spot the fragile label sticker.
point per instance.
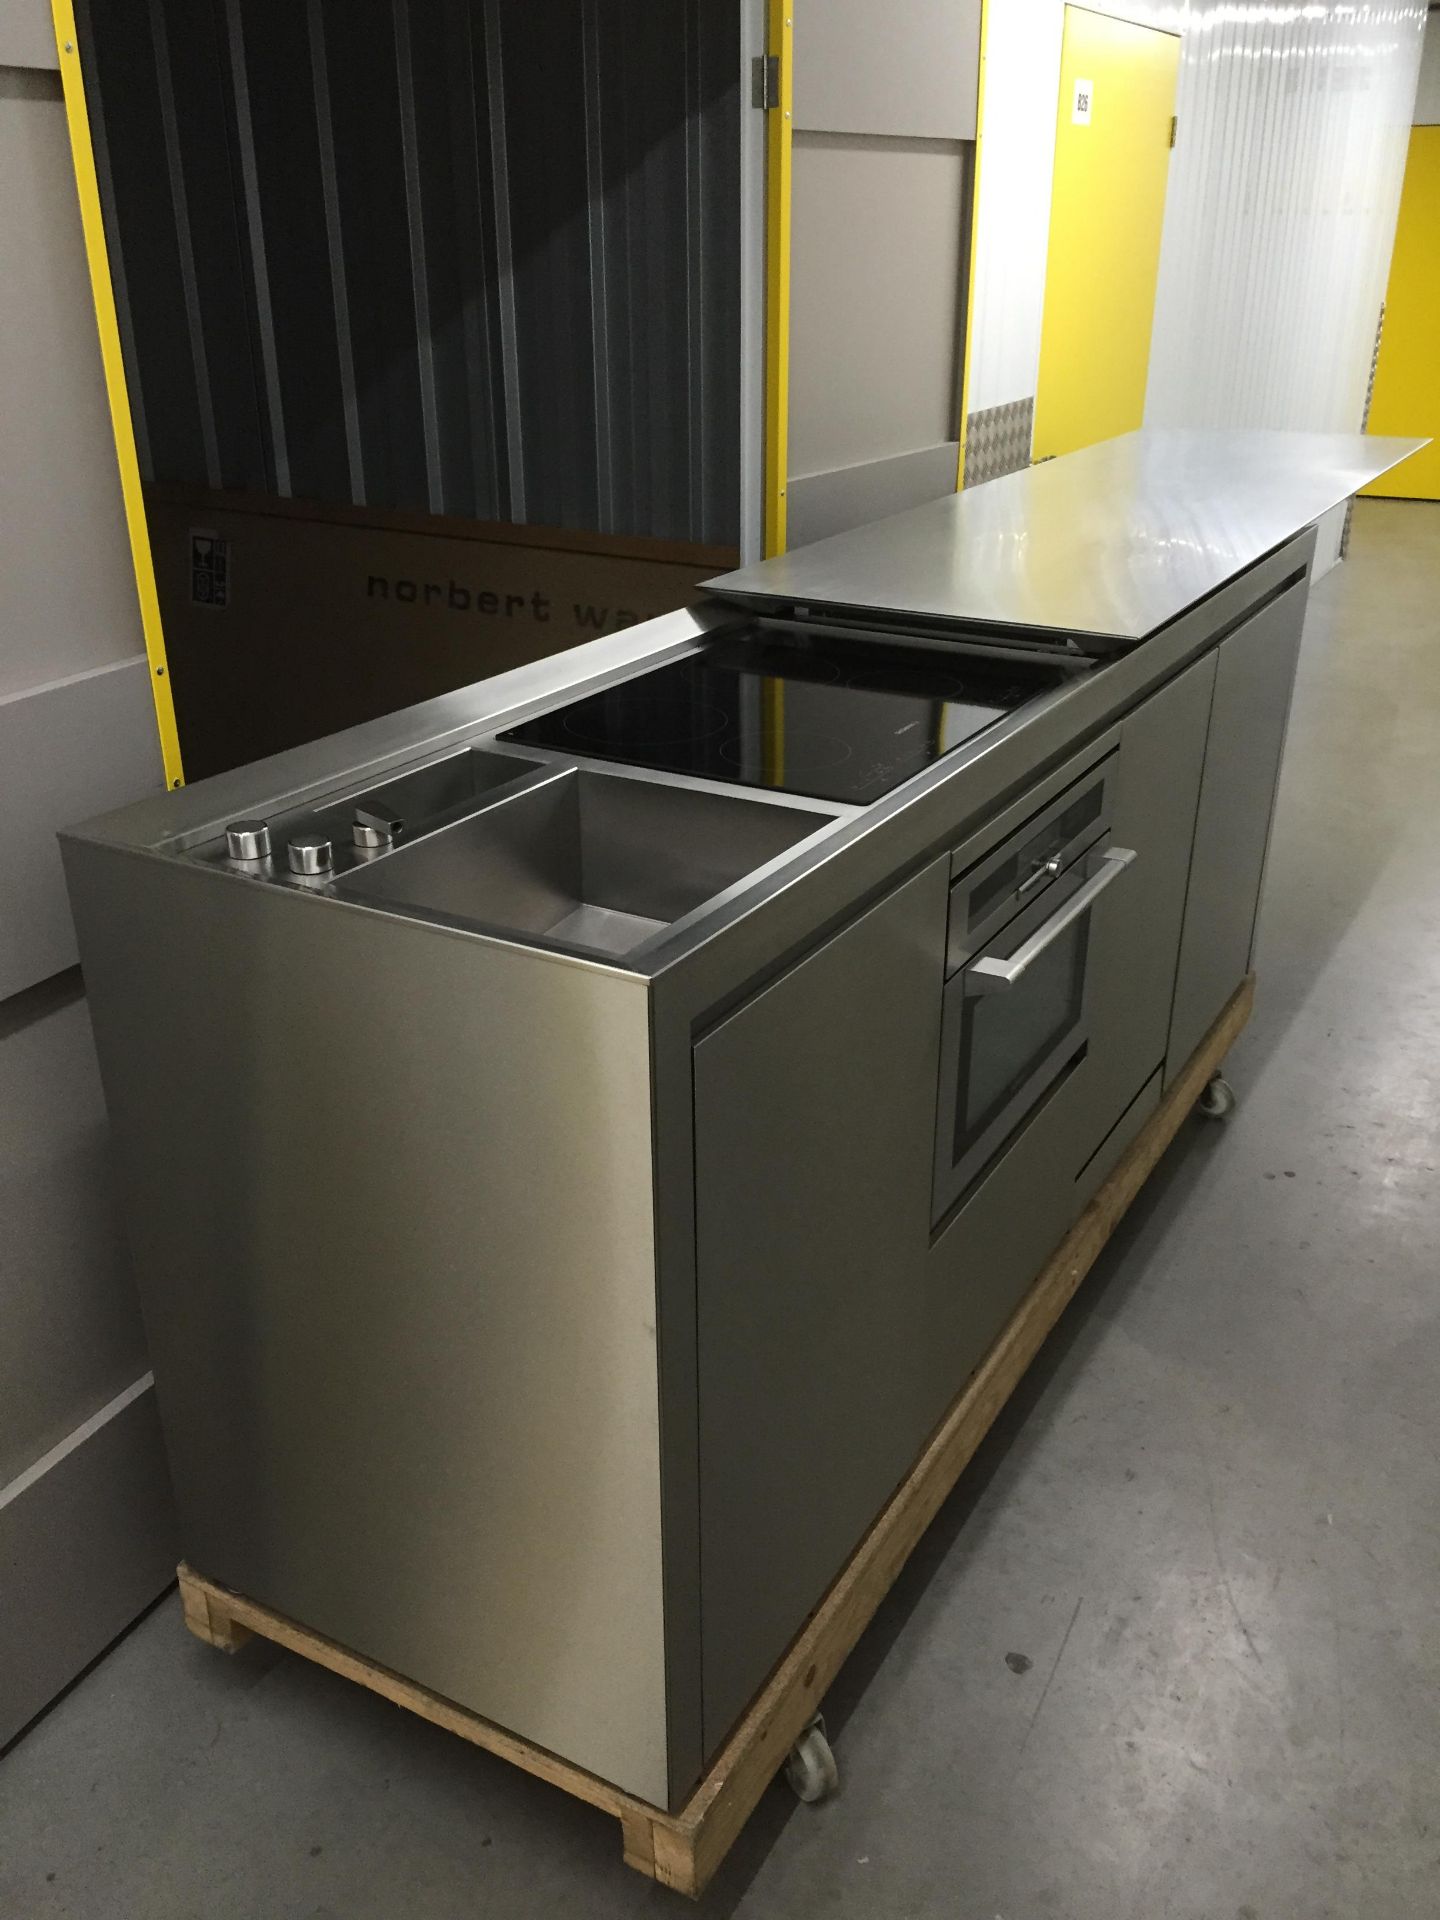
(209, 568)
(1084, 100)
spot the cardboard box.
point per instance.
(286, 620)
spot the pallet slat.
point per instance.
(683, 1850)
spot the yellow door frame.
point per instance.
(780, 47)
(107, 323)
(1406, 394)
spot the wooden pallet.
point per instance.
(684, 1849)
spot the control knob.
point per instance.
(248, 839)
(310, 853)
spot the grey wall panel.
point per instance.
(877, 298)
(67, 595)
(83, 1549)
(820, 504)
(85, 1536)
(66, 752)
(27, 35)
(70, 1334)
(908, 67)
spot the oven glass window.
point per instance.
(1009, 1036)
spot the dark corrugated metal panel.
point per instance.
(299, 357)
(374, 222)
(665, 241)
(139, 182)
(457, 198)
(543, 77)
(478, 257)
(715, 251)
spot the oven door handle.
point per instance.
(998, 976)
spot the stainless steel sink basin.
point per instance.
(596, 861)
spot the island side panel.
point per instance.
(391, 1203)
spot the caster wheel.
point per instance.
(811, 1768)
(1217, 1102)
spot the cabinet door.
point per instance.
(1136, 944)
(1253, 683)
(814, 1124)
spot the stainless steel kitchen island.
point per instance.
(565, 1212)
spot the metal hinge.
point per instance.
(1174, 123)
(765, 81)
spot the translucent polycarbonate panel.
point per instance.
(1284, 184)
(1293, 124)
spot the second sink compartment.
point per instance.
(597, 861)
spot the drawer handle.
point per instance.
(998, 976)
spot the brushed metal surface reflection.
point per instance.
(391, 1199)
(1109, 543)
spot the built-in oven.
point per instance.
(1018, 982)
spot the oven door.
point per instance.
(1015, 1020)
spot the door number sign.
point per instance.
(1084, 101)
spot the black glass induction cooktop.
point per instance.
(832, 719)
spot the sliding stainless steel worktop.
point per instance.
(550, 1115)
(1110, 543)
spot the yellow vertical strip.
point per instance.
(780, 46)
(967, 345)
(1407, 374)
(88, 190)
(772, 718)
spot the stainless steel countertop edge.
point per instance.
(934, 806)
(1111, 543)
(377, 748)
(936, 803)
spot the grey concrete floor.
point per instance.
(1209, 1521)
